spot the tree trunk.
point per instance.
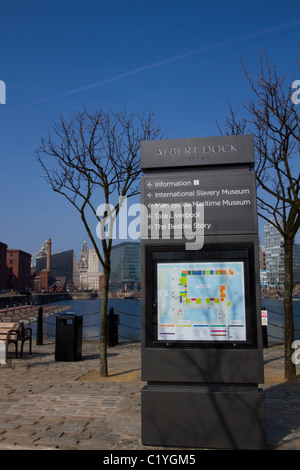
(103, 324)
(290, 367)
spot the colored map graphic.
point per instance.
(201, 301)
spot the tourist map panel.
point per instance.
(201, 301)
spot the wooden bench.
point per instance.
(12, 332)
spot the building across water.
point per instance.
(88, 267)
(57, 271)
(15, 271)
(125, 267)
(274, 258)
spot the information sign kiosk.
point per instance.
(201, 323)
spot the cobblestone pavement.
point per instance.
(48, 404)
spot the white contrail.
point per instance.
(184, 55)
(197, 51)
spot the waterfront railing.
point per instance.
(127, 330)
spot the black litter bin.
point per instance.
(68, 345)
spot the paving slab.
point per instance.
(56, 405)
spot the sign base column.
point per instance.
(204, 416)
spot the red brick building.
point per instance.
(3, 249)
(18, 270)
(44, 280)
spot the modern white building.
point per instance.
(274, 258)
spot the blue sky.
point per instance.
(179, 58)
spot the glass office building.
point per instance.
(296, 263)
(125, 267)
(274, 256)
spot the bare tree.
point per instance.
(274, 120)
(92, 159)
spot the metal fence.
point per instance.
(128, 326)
(276, 330)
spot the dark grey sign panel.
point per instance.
(228, 199)
(200, 326)
(192, 417)
(200, 151)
